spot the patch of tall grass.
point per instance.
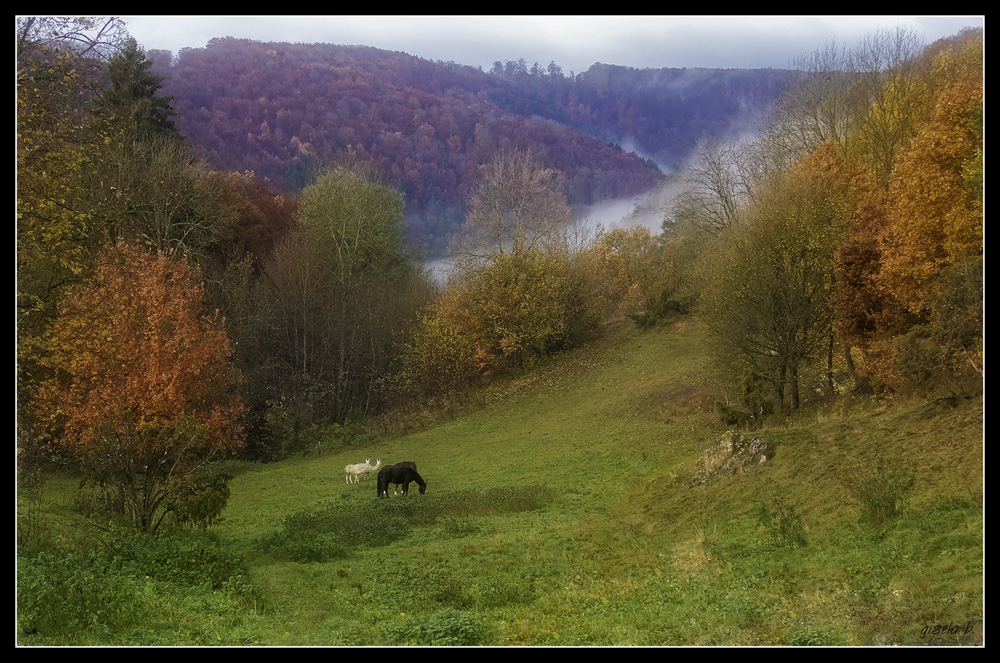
(336, 529)
(133, 589)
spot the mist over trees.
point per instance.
(284, 110)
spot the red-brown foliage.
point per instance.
(135, 343)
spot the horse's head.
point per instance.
(423, 488)
(378, 462)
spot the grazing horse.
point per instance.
(397, 474)
(405, 463)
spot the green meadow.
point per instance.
(561, 509)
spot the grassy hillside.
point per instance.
(564, 511)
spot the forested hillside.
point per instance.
(284, 110)
(662, 114)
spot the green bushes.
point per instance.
(114, 594)
(448, 627)
(60, 594)
(331, 531)
(187, 561)
(149, 474)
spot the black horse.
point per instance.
(400, 473)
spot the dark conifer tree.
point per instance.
(130, 102)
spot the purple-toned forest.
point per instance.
(286, 110)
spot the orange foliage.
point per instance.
(135, 343)
(935, 221)
(627, 266)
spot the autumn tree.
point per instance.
(936, 218)
(630, 274)
(444, 353)
(250, 218)
(52, 231)
(249, 222)
(503, 316)
(932, 242)
(863, 98)
(819, 105)
(888, 79)
(141, 180)
(57, 60)
(148, 194)
(87, 36)
(141, 388)
(866, 316)
(721, 180)
(522, 306)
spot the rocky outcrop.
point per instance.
(733, 453)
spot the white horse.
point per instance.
(355, 470)
(370, 469)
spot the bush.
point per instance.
(61, 595)
(119, 593)
(817, 637)
(446, 628)
(783, 524)
(184, 560)
(945, 357)
(879, 489)
(199, 501)
(330, 531)
(145, 472)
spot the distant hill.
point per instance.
(284, 110)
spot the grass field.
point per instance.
(559, 511)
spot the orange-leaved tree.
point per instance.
(141, 388)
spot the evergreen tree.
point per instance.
(131, 103)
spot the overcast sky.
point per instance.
(572, 42)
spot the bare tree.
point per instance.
(92, 38)
(722, 179)
(517, 206)
(817, 106)
(884, 63)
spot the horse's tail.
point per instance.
(383, 482)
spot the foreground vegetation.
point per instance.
(560, 511)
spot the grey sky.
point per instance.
(573, 42)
